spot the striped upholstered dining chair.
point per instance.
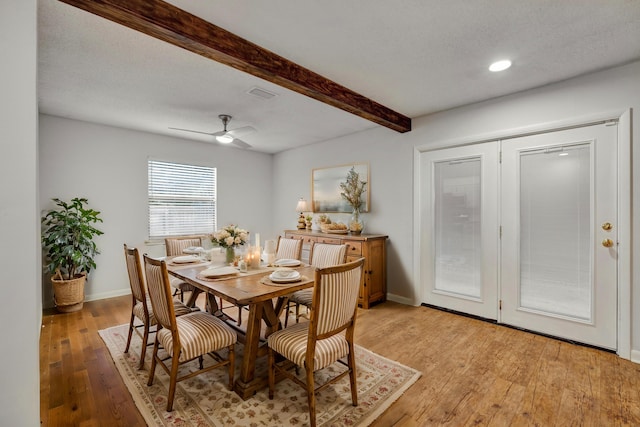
(187, 337)
(320, 255)
(288, 248)
(173, 247)
(326, 338)
(141, 305)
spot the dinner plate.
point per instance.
(193, 250)
(285, 273)
(185, 259)
(285, 279)
(287, 262)
(212, 273)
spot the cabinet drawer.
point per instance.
(355, 248)
(328, 240)
(309, 239)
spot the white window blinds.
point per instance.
(182, 199)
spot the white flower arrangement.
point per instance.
(230, 237)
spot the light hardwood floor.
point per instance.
(473, 373)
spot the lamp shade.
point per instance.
(302, 206)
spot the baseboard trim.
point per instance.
(97, 296)
(401, 300)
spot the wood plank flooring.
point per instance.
(473, 373)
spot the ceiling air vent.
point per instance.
(261, 93)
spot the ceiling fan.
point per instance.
(227, 136)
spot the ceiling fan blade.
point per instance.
(242, 131)
(240, 143)
(193, 131)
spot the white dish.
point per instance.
(212, 273)
(287, 262)
(285, 273)
(192, 250)
(185, 259)
(285, 279)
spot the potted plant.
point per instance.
(67, 238)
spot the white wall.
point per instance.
(261, 194)
(21, 312)
(108, 166)
(391, 158)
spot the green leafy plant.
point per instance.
(67, 238)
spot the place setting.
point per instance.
(282, 276)
(218, 273)
(185, 260)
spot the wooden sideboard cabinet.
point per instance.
(370, 246)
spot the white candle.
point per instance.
(270, 246)
(258, 240)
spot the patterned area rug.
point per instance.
(205, 401)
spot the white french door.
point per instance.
(460, 222)
(559, 234)
(529, 240)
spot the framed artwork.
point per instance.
(325, 188)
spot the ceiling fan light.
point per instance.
(500, 65)
(224, 139)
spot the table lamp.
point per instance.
(301, 207)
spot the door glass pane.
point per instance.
(457, 227)
(555, 238)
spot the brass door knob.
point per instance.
(607, 243)
(607, 226)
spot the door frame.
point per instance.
(623, 117)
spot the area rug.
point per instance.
(205, 400)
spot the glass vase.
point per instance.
(230, 255)
(356, 225)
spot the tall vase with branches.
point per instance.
(353, 190)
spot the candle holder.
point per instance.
(252, 257)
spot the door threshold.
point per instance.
(495, 322)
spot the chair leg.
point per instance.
(311, 397)
(297, 312)
(232, 365)
(126, 349)
(172, 382)
(154, 360)
(143, 351)
(352, 375)
(286, 313)
(272, 373)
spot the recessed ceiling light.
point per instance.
(500, 65)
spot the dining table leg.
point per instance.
(247, 384)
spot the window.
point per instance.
(182, 199)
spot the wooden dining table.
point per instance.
(251, 289)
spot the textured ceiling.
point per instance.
(414, 56)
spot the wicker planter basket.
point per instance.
(68, 295)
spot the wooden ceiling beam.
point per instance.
(166, 22)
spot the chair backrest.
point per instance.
(335, 299)
(159, 291)
(136, 276)
(175, 245)
(323, 255)
(288, 248)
